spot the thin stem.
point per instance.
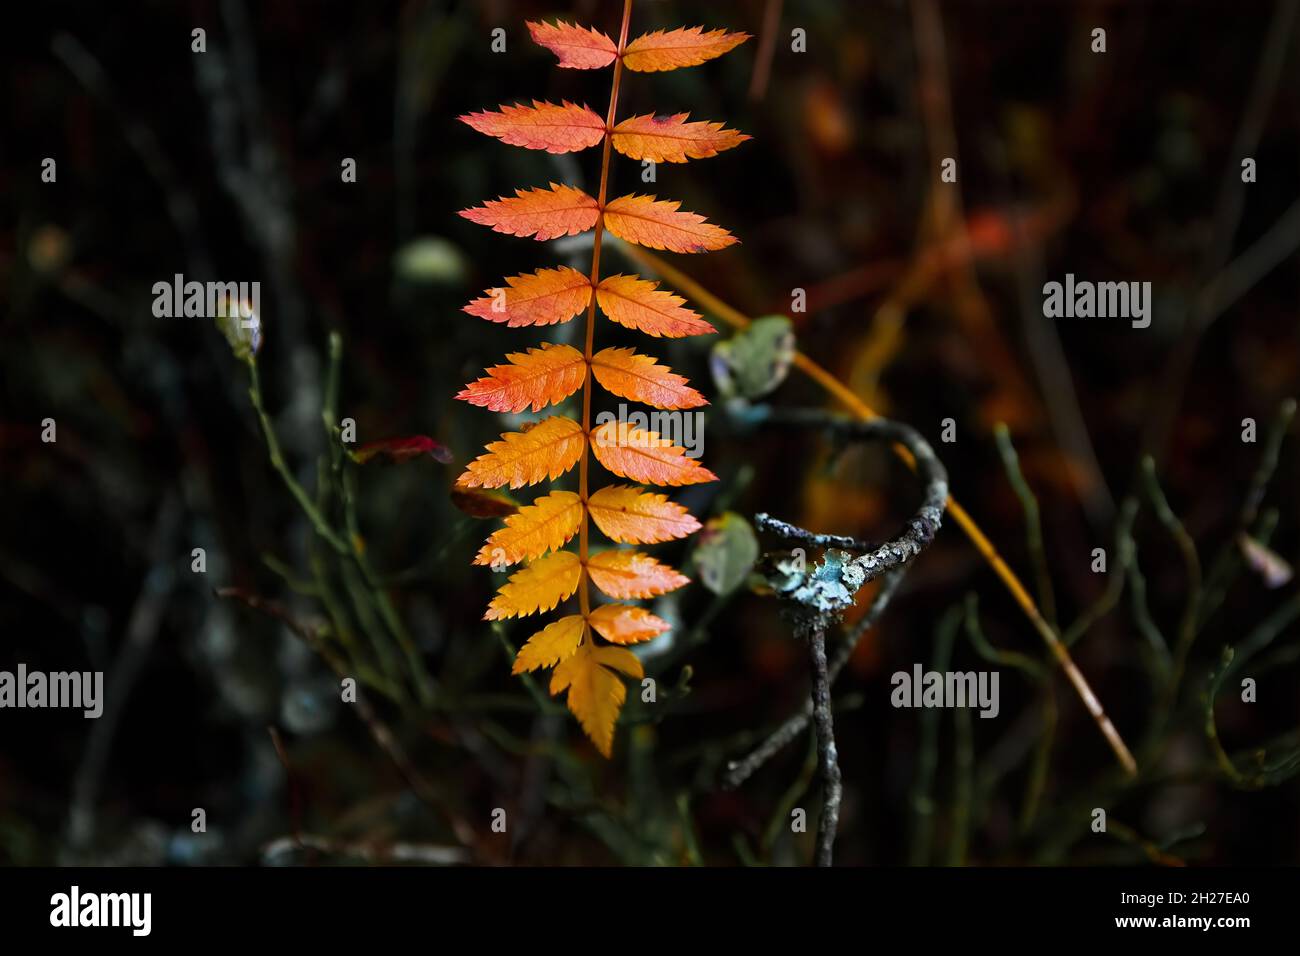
(738, 771)
(1124, 549)
(1191, 607)
(361, 605)
(1021, 662)
(1226, 765)
(381, 599)
(1036, 783)
(317, 519)
(1033, 521)
(921, 796)
(584, 596)
(827, 755)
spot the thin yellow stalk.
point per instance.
(734, 317)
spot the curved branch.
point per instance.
(816, 597)
(827, 589)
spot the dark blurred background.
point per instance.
(923, 297)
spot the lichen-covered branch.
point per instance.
(827, 755)
(738, 771)
(824, 591)
(816, 597)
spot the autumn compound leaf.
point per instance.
(579, 48)
(632, 515)
(631, 574)
(545, 449)
(641, 455)
(595, 692)
(540, 213)
(546, 297)
(584, 649)
(566, 128)
(550, 645)
(639, 304)
(670, 49)
(629, 375)
(548, 523)
(672, 139)
(539, 587)
(538, 377)
(659, 224)
(625, 624)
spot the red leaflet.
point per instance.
(579, 48)
(402, 449)
(557, 129)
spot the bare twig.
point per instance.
(738, 771)
(816, 597)
(828, 756)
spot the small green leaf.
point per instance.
(756, 360)
(726, 553)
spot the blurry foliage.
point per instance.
(926, 303)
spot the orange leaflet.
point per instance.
(595, 693)
(634, 516)
(566, 128)
(641, 455)
(546, 297)
(579, 48)
(629, 375)
(538, 377)
(639, 304)
(672, 139)
(539, 587)
(670, 49)
(631, 574)
(624, 624)
(540, 213)
(545, 449)
(548, 523)
(659, 224)
(550, 645)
